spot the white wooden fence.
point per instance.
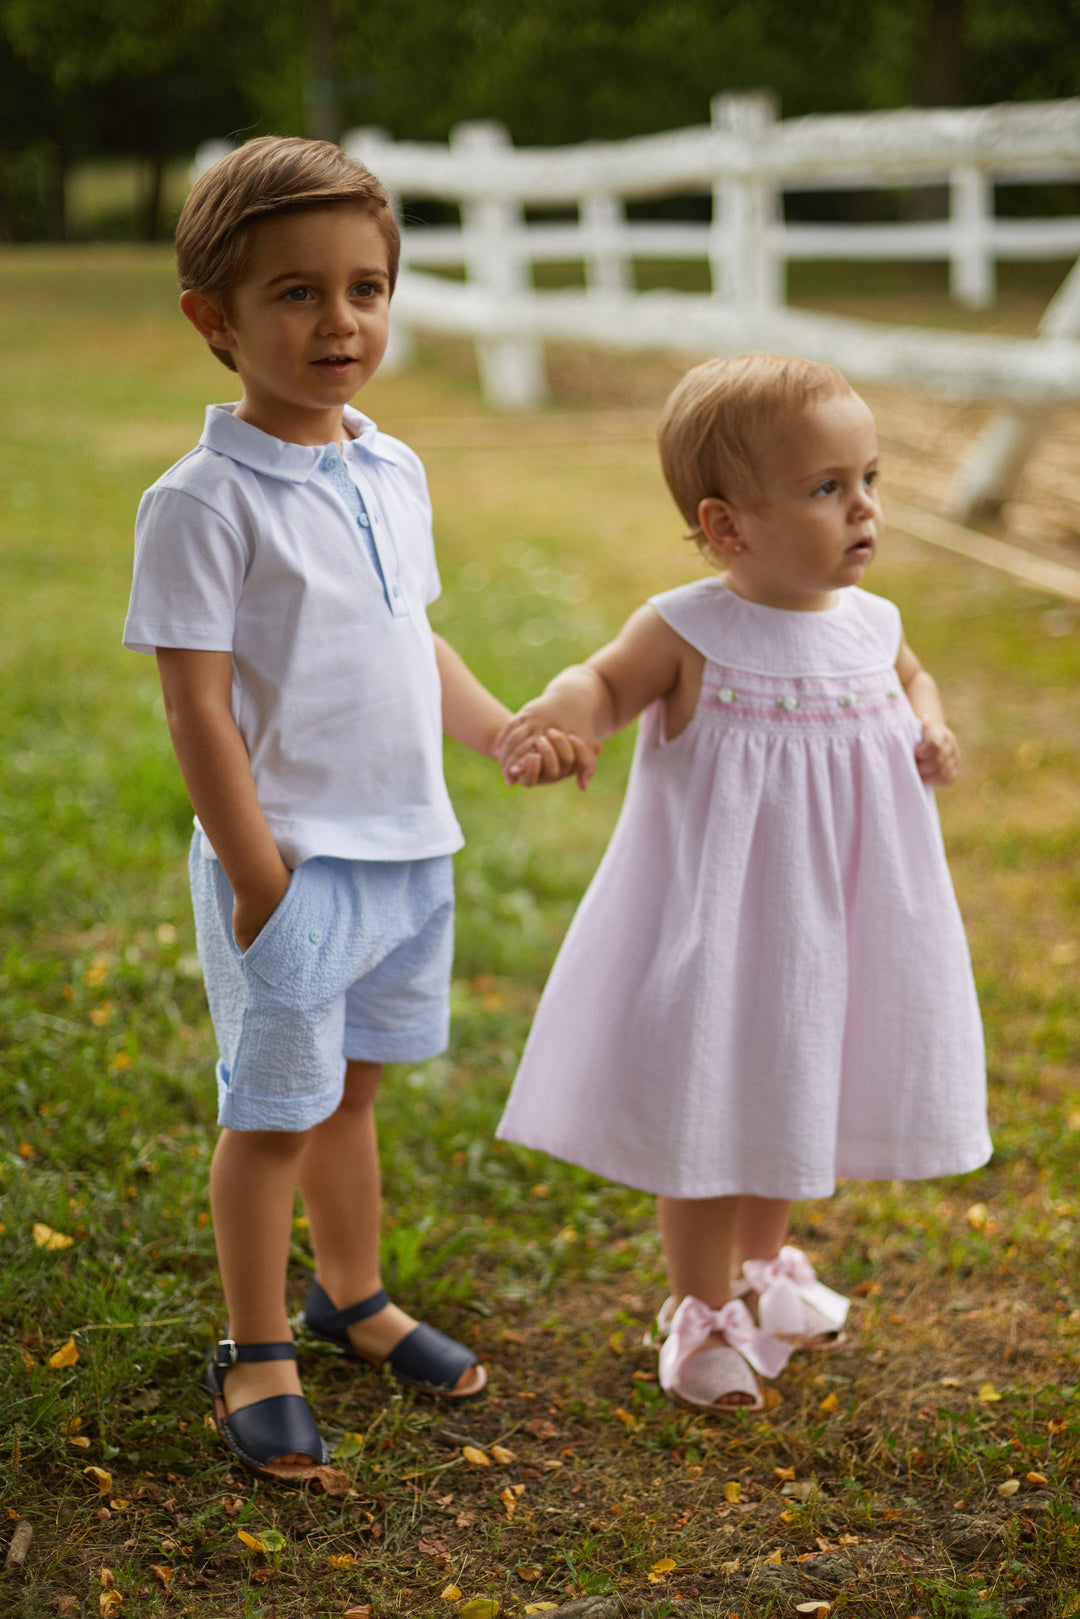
(745, 161)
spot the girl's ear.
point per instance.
(208, 318)
(719, 522)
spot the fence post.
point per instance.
(972, 270)
(746, 267)
(607, 264)
(492, 230)
(366, 144)
(988, 477)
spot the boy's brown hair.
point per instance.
(712, 425)
(274, 174)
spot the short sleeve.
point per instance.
(190, 565)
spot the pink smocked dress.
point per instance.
(767, 984)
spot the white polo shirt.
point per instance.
(245, 547)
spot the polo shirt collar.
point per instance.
(274, 457)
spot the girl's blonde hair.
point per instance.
(715, 419)
(274, 174)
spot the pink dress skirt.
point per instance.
(767, 984)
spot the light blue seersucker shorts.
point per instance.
(353, 964)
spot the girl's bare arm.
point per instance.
(937, 755)
(595, 699)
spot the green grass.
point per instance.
(963, 1373)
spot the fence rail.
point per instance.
(743, 162)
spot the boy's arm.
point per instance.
(197, 687)
(937, 755)
(472, 716)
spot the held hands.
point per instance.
(937, 755)
(532, 752)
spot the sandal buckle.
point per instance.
(226, 1353)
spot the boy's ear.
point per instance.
(208, 318)
(719, 522)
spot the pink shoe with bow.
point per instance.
(792, 1304)
(709, 1357)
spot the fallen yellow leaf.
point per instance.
(25, 1150)
(342, 1560)
(479, 1608)
(1036, 1478)
(110, 1603)
(451, 1593)
(250, 1541)
(64, 1357)
(541, 1607)
(46, 1237)
(80, 1440)
(162, 1573)
(529, 1572)
(626, 1418)
(358, 1613)
(1010, 1487)
(664, 1566)
(732, 1490)
(987, 1394)
(977, 1216)
(476, 1457)
(101, 1478)
(775, 1557)
(502, 1456)
(509, 1501)
(120, 1504)
(830, 1403)
(101, 1015)
(818, 1608)
(784, 1473)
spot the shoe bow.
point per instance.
(790, 1297)
(693, 1324)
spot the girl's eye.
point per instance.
(871, 478)
(826, 488)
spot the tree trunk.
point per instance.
(322, 115)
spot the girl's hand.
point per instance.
(937, 755)
(533, 754)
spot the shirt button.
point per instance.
(394, 591)
(315, 936)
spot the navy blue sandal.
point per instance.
(263, 1432)
(425, 1359)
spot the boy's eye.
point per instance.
(297, 295)
(366, 289)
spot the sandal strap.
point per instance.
(332, 1320)
(227, 1352)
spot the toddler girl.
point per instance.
(767, 984)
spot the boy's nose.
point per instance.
(338, 316)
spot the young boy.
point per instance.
(282, 574)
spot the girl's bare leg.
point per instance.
(342, 1191)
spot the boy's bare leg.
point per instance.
(342, 1192)
(252, 1189)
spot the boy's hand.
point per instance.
(251, 912)
(937, 755)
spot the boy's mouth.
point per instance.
(335, 362)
